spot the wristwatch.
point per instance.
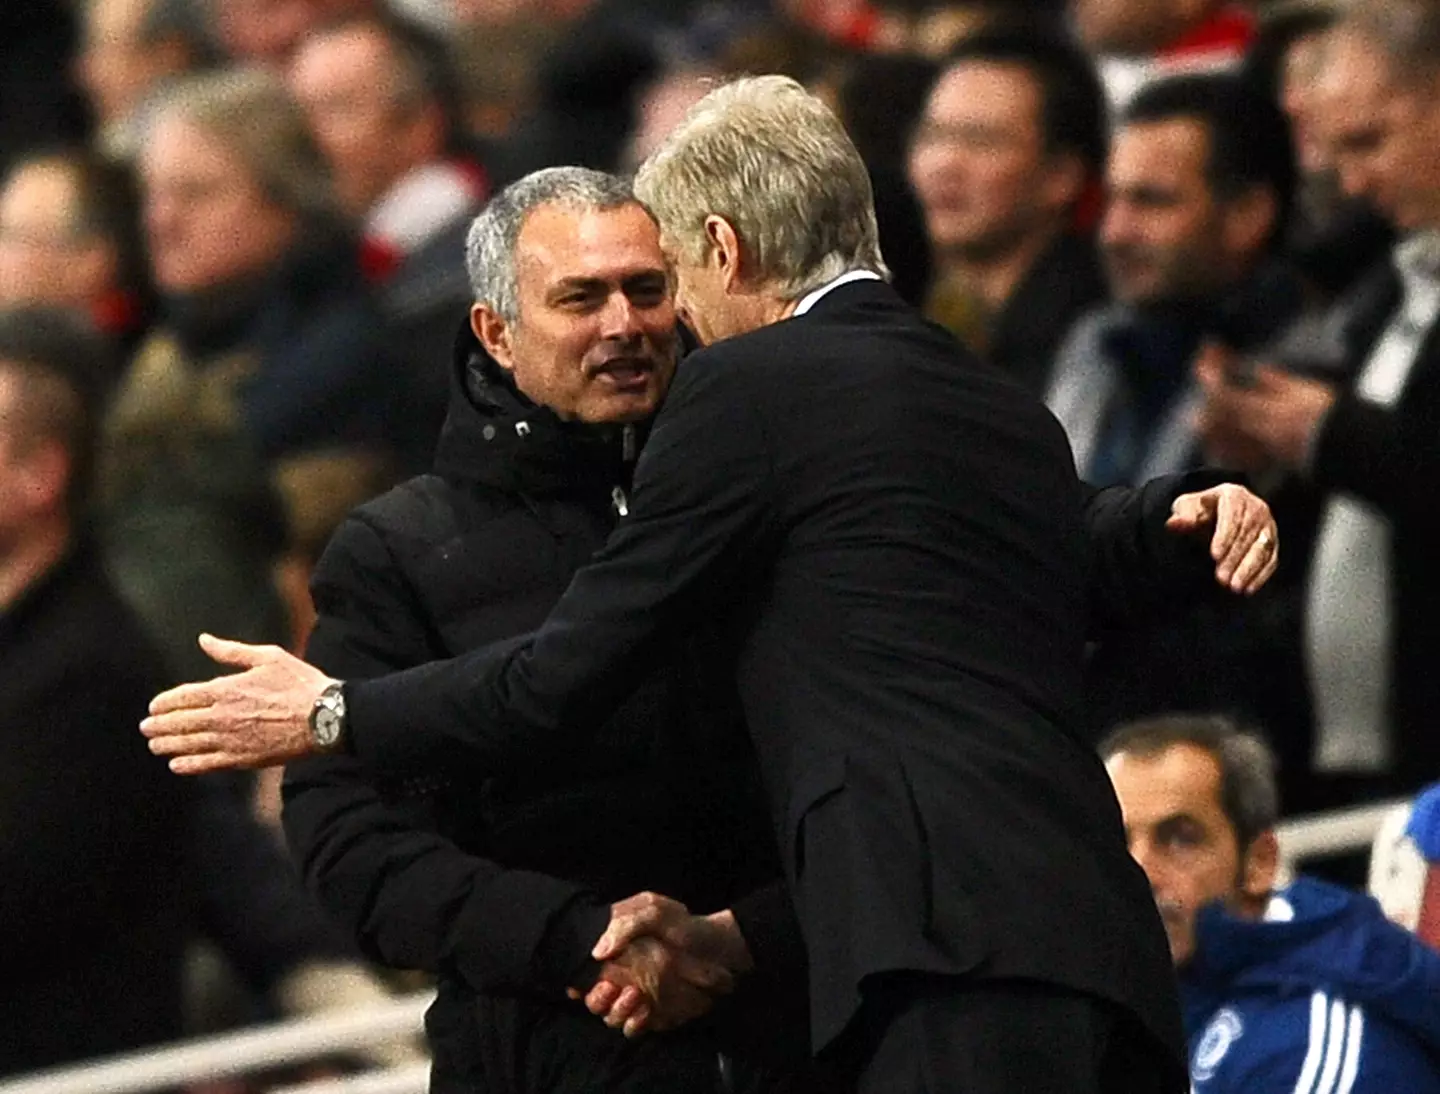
(327, 718)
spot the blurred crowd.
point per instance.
(1202, 231)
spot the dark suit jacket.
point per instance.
(93, 830)
(893, 534)
(1390, 457)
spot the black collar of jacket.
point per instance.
(495, 436)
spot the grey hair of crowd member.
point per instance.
(1248, 794)
(490, 243)
(252, 113)
(774, 162)
(1407, 31)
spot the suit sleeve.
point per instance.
(411, 898)
(1140, 571)
(701, 521)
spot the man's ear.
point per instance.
(1260, 868)
(725, 250)
(494, 334)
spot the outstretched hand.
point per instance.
(258, 717)
(1244, 541)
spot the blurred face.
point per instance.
(116, 66)
(1162, 237)
(1382, 131)
(1179, 835)
(978, 163)
(595, 340)
(207, 220)
(347, 85)
(44, 258)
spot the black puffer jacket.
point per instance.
(502, 885)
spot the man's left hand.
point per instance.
(1244, 543)
(256, 718)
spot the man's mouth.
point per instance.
(625, 373)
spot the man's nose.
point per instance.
(620, 318)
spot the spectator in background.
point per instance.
(1332, 239)
(1201, 178)
(92, 828)
(1011, 141)
(130, 49)
(382, 107)
(264, 373)
(1364, 443)
(1136, 41)
(1304, 989)
(70, 239)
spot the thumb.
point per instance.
(1190, 511)
(236, 654)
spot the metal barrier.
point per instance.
(306, 1039)
(261, 1049)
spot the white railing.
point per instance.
(1341, 831)
(263, 1048)
(303, 1040)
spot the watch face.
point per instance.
(327, 727)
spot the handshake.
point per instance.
(661, 966)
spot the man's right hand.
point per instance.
(663, 966)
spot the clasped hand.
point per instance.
(661, 965)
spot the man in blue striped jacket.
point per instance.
(1301, 990)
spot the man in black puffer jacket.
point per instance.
(493, 884)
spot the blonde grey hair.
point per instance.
(774, 161)
(254, 115)
(490, 243)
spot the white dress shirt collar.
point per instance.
(810, 299)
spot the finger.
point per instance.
(1191, 511)
(1250, 536)
(187, 697)
(1266, 573)
(624, 1007)
(1227, 528)
(179, 723)
(624, 928)
(185, 744)
(1255, 569)
(602, 997)
(636, 1024)
(573, 994)
(207, 762)
(239, 654)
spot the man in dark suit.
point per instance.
(893, 538)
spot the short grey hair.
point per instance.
(1407, 31)
(490, 243)
(253, 114)
(1249, 795)
(776, 163)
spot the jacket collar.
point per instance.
(494, 435)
